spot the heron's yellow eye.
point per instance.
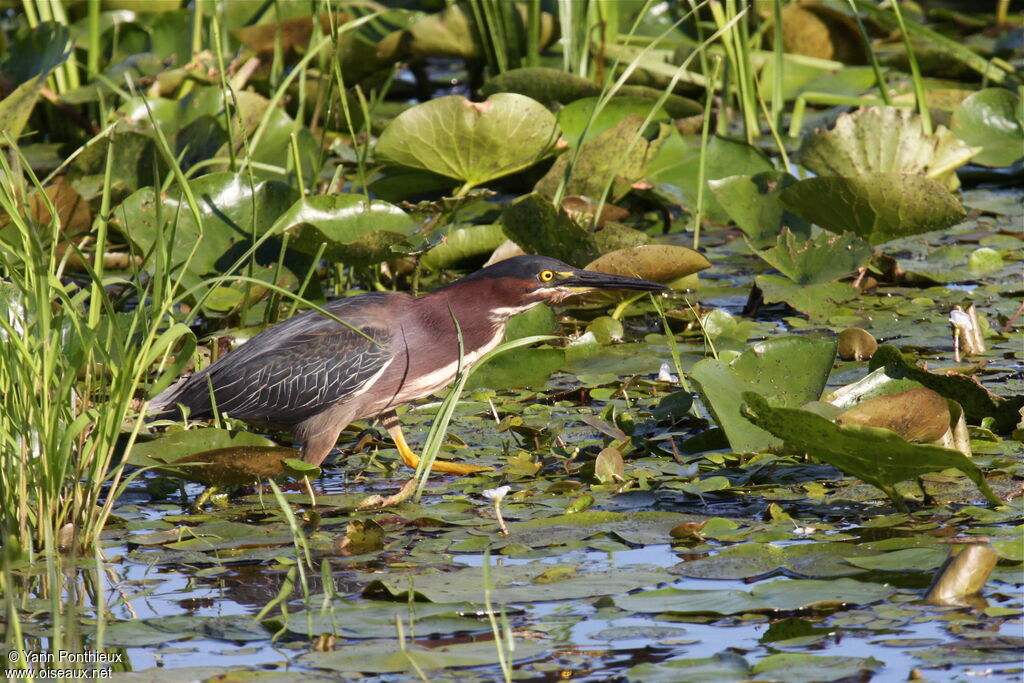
(546, 276)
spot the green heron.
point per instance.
(313, 376)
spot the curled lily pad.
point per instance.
(919, 414)
(856, 344)
(885, 140)
(752, 202)
(963, 575)
(878, 457)
(815, 30)
(657, 262)
(356, 231)
(992, 119)
(790, 370)
(877, 207)
(473, 142)
(977, 401)
(463, 243)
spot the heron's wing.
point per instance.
(293, 370)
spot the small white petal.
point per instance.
(496, 494)
(665, 374)
(959, 319)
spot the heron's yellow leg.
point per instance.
(413, 460)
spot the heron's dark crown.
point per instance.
(527, 267)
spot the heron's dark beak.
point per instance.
(589, 279)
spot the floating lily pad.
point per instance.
(885, 140)
(992, 119)
(877, 207)
(386, 657)
(474, 142)
(236, 459)
(536, 225)
(724, 666)
(356, 231)
(876, 456)
(799, 667)
(763, 597)
(752, 201)
(462, 244)
(789, 370)
(579, 116)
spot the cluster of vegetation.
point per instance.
(815, 176)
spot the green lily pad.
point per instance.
(724, 667)
(877, 207)
(621, 154)
(579, 123)
(817, 260)
(789, 370)
(232, 211)
(763, 597)
(536, 225)
(885, 140)
(798, 667)
(354, 230)
(817, 301)
(474, 142)
(752, 202)
(678, 164)
(876, 456)
(385, 656)
(464, 243)
(992, 119)
(173, 446)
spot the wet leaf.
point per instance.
(856, 344)
(817, 260)
(609, 467)
(471, 142)
(992, 119)
(877, 207)
(799, 667)
(355, 231)
(876, 456)
(620, 154)
(977, 401)
(657, 262)
(916, 415)
(962, 575)
(789, 370)
(724, 666)
(763, 597)
(361, 536)
(678, 164)
(175, 445)
(752, 202)
(884, 140)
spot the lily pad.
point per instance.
(876, 456)
(678, 164)
(175, 445)
(885, 140)
(621, 154)
(817, 260)
(752, 202)
(474, 142)
(464, 243)
(385, 656)
(355, 231)
(764, 597)
(799, 667)
(536, 225)
(977, 401)
(992, 119)
(579, 123)
(789, 370)
(877, 207)
(817, 301)
(657, 262)
(232, 212)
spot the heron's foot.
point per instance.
(413, 460)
